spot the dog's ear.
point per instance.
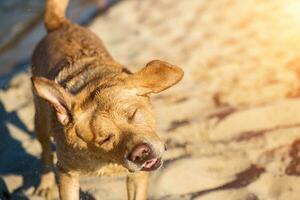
(58, 98)
(155, 77)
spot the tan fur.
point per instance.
(96, 110)
(55, 14)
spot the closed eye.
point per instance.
(132, 115)
(108, 138)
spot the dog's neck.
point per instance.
(74, 76)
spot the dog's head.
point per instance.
(114, 119)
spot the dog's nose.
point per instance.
(140, 153)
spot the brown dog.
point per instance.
(98, 112)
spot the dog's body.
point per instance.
(98, 112)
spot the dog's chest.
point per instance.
(109, 170)
(103, 169)
(86, 164)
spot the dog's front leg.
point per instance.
(68, 185)
(137, 185)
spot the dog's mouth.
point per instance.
(143, 157)
(151, 164)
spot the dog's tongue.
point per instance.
(151, 164)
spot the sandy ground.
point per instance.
(232, 125)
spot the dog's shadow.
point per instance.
(15, 161)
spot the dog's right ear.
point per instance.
(54, 94)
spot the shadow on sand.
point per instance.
(13, 157)
(14, 160)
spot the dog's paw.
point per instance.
(47, 192)
(47, 188)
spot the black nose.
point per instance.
(140, 153)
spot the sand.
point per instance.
(232, 125)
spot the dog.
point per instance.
(97, 111)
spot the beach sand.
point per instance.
(232, 126)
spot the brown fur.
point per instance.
(96, 110)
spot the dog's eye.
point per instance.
(105, 140)
(132, 114)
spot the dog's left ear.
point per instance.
(155, 77)
(56, 96)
